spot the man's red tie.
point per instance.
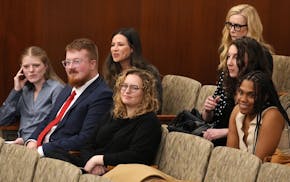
(56, 120)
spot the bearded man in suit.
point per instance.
(92, 99)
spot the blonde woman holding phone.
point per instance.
(36, 87)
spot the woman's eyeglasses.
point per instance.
(132, 88)
(237, 27)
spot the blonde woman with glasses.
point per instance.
(242, 20)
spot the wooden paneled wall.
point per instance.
(178, 36)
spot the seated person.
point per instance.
(132, 132)
(241, 20)
(258, 120)
(125, 53)
(79, 107)
(36, 87)
(244, 55)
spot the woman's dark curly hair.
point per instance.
(250, 57)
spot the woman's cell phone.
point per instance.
(22, 77)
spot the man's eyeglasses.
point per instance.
(74, 62)
(237, 27)
(132, 88)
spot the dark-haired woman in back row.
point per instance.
(125, 53)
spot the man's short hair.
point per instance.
(84, 43)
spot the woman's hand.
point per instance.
(210, 103)
(213, 134)
(32, 145)
(19, 80)
(94, 161)
(99, 170)
(19, 141)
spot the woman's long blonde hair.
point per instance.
(255, 30)
(149, 102)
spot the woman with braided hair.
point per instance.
(258, 119)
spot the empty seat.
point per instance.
(274, 172)
(229, 164)
(185, 156)
(55, 170)
(17, 163)
(281, 68)
(179, 93)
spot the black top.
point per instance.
(124, 141)
(223, 110)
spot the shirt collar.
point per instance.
(80, 90)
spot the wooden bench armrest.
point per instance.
(165, 118)
(14, 126)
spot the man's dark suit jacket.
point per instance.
(77, 126)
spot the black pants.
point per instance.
(65, 156)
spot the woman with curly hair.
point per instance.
(132, 132)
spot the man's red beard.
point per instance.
(78, 82)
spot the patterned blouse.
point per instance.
(223, 109)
